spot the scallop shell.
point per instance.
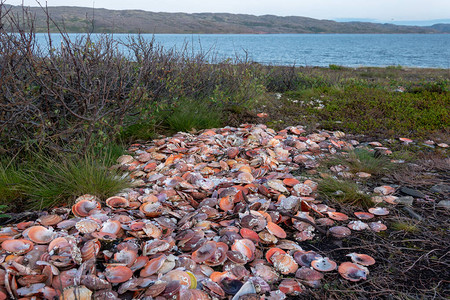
(337, 216)
(77, 293)
(90, 250)
(117, 202)
(40, 234)
(290, 286)
(362, 259)
(352, 272)
(363, 215)
(19, 246)
(151, 209)
(284, 263)
(379, 211)
(178, 275)
(276, 230)
(118, 274)
(339, 231)
(324, 264)
(50, 220)
(377, 226)
(244, 246)
(84, 206)
(204, 252)
(87, 226)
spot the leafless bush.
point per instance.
(84, 89)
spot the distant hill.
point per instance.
(445, 28)
(79, 19)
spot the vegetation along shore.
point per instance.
(162, 130)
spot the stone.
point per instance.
(412, 192)
(440, 188)
(406, 200)
(444, 204)
(412, 213)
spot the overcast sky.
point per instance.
(390, 10)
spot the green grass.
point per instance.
(405, 226)
(336, 67)
(55, 181)
(343, 191)
(138, 131)
(190, 115)
(9, 181)
(45, 180)
(363, 160)
(369, 110)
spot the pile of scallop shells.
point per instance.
(217, 214)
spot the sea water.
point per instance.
(351, 50)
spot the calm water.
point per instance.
(412, 50)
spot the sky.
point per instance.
(383, 10)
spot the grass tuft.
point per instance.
(343, 191)
(9, 181)
(191, 115)
(363, 160)
(54, 181)
(405, 226)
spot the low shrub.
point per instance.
(360, 109)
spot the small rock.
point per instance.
(412, 192)
(444, 204)
(412, 213)
(406, 200)
(440, 188)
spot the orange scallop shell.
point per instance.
(50, 220)
(60, 243)
(178, 275)
(90, 249)
(352, 272)
(151, 230)
(40, 234)
(19, 246)
(247, 233)
(151, 209)
(284, 263)
(112, 227)
(245, 247)
(84, 206)
(337, 216)
(125, 256)
(290, 286)
(362, 259)
(272, 251)
(117, 202)
(118, 274)
(153, 265)
(276, 230)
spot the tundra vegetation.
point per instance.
(67, 112)
(87, 94)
